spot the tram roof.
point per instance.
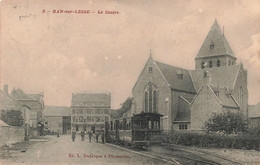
(147, 114)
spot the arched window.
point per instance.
(202, 65)
(146, 101)
(150, 98)
(154, 101)
(218, 63)
(210, 64)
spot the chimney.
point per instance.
(6, 88)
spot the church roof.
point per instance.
(216, 38)
(224, 76)
(183, 114)
(171, 74)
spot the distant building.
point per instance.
(254, 115)
(36, 104)
(188, 98)
(57, 119)
(9, 133)
(90, 111)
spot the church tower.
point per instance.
(215, 50)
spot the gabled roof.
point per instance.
(224, 76)
(171, 75)
(224, 97)
(56, 111)
(91, 97)
(8, 101)
(215, 37)
(21, 95)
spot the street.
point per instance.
(61, 150)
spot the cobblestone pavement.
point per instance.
(54, 150)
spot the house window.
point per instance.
(218, 63)
(150, 69)
(210, 64)
(202, 65)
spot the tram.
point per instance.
(140, 130)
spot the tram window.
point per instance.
(149, 124)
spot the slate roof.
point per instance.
(91, 97)
(224, 76)
(254, 110)
(171, 75)
(21, 95)
(56, 111)
(216, 37)
(184, 112)
(226, 98)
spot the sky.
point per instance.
(62, 53)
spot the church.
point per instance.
(188, 98)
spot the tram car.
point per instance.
(140, 130)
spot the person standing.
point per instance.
(82, 133)
(97, 137)
(89, 135)
(102, 137)
(73, 135)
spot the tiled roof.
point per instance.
(224, 76)
(183, 113)
(56, 111)
(225, 97)
(91, 97)
(21, 95)
(219, 41)
(254, 110)
(171, 75)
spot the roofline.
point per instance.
(161, 73)
(227, 54)
(178, 90)
(215, 95)
(181, 121)
(226, 106)
(192, 81)
(197, 94)
(237, 75)
(235, 100)
(185, 99)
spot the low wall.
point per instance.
(11, 134)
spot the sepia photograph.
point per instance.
(130, 82)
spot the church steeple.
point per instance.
(215, 50)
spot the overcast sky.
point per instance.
(62, 54)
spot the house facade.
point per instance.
(90, 111)
(188, 98)
(57, 119)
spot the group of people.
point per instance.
(90, 135)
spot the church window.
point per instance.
(218, 63)
(150, 97)
(150, 69)
(210, 64)
(146, 101)
(154, 101)
(202, 65)
(212, 45)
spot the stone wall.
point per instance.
(11, 134)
